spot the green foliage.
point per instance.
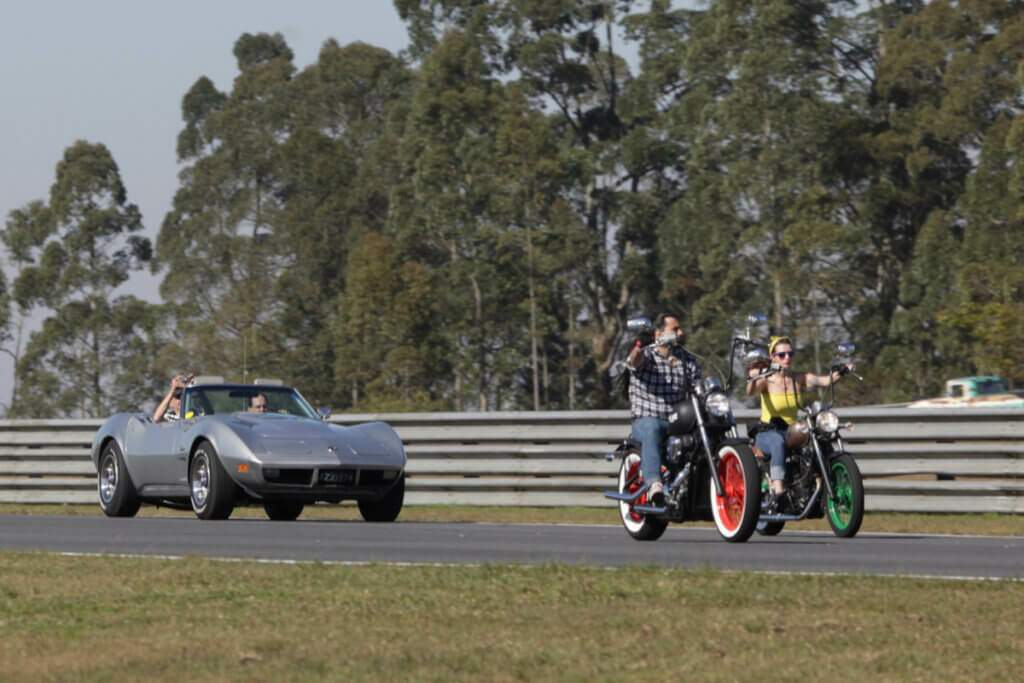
(72, 255)
(468, 225)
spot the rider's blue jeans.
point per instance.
(650, 432)
(773, 442)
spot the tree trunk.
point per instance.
(478, 302)
(572, 355)
(533, 320)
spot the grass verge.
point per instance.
(889, 522)
(112, 619)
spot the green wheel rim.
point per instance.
(840, 506)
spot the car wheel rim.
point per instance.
(200, 481)
(108, 479)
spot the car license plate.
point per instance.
(337, 477)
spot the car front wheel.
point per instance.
(117, 492)
(283, 511)
(213, 492)
(387, 508)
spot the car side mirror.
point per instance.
(324, 412)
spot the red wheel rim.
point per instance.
(634, 483)
(730, 505)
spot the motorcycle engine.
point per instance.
(678, 449)
(803, 482)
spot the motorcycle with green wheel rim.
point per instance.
(822, 478)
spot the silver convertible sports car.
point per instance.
(219, 455)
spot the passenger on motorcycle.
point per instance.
(781, 396)
(660, 377)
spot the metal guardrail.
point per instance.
(912, 460)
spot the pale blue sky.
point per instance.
(114, 71)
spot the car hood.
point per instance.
(290, 435)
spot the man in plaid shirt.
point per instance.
(660, 378)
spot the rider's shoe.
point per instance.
(656, 494)
(773, 503)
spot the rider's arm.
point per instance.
(811, 380)
(636, 357)
(755, 386)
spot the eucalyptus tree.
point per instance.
(563, 54)
(219, 245)
(443, 212)
(949, 90)
(74, 253)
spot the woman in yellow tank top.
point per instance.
(781, 396)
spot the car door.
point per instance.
(153, 453)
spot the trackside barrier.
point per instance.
(913, 460)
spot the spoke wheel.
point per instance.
(639, 526)
(736, 511)
(213, 492)
(114, 485)
(846, 508)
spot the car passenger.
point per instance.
(258, 403)
(170, 407)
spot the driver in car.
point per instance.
(258, 404)
(660, 378)
(169, 409)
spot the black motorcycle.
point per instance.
(708, 472)
(822, 478)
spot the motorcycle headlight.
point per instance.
(827, 421)
(718, 405)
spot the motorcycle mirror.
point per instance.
(639, 325)
(757, 319)
(845, 349)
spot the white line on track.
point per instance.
(367, 563)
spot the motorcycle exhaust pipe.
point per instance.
(794, 518)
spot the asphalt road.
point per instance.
(410, 542)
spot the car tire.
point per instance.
(387, 508)
(114, 484)
(212, 491)
(283, 510)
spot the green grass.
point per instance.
(114, 619)
(980, 524)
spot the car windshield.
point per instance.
(279, 400)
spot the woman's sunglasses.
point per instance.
(784, 354)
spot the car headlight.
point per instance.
(718, 404)
(827, 421)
